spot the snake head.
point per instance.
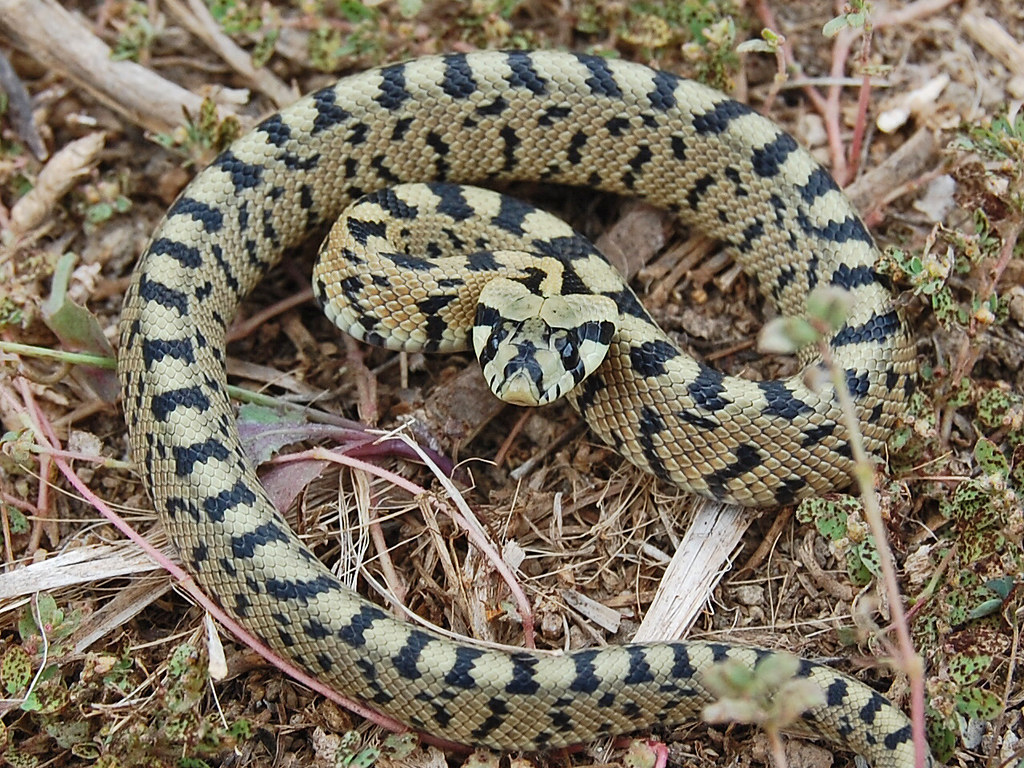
(534, 349)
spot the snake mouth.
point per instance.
(521, 389)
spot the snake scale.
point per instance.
(559, 117)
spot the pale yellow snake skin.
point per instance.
(541, 116)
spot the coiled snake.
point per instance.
(559, 117)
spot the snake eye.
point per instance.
(565, 345)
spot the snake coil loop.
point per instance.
(559, 117)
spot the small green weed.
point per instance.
(259, 23)
(855, 15)
(58, 697)
(938, 273)
(840, 521)
(488, 24)
(203, 136)
(104, 199)
(360, 35)
(136, 33)
(704, 31)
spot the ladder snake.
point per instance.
(563, 118)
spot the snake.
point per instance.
(474, 118)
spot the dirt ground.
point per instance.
(112, 107)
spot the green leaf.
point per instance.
(990, 458)
(47, 699)
(410, 8)
(869, 556)
(86, 750)
(16, 520)
(987, 608)
(44, 617)
(829, 517)
(15, 670)
(68, 733)
(98, 213)
(1001, 586)
(942, 739)
(859, 573)
(835, 26)
(398, 746)
(966, 670)
(364, 758)
(78, 329)
(18, 759)
(265, 431)
(47, 612)
(183, 660)
(756, 46)
(241, 729)
(978, 703)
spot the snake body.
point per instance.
(564, 118)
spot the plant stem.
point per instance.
(906, 658)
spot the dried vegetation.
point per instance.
(109, 109)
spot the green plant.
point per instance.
(841, 522)
(136, 34)
(203, 136)
(57, 696)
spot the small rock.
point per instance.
(749, 594)
(937, 200)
